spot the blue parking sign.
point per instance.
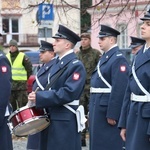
(45, 12)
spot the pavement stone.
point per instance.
(20, 144)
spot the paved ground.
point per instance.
(20, 144)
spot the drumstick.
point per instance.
(36, 89)
(30, 103)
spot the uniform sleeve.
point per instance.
(125, 108)
(28, 65)
(5, 86)
(119, 80)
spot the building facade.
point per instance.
(19, 20)
(121, 14)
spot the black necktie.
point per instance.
(57, 60)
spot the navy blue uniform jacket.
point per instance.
(114, 68)
(135, 116)
(42, 75)
(5, 91)
(62, 132)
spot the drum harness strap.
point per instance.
(101, 90)
(80, 115)
(38, 83)
(139, 98)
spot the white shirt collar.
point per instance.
(145, 48)
(67, 53)
(111, 47)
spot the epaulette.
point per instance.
(75, 61)
(119, 54)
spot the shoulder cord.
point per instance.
(137, 80)
(100, 75)
(38, 83)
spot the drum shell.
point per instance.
(26, 116)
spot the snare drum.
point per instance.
(28, 120)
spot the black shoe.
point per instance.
(83, 142)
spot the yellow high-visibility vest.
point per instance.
(18, 70)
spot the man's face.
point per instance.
(85, 42)
(105, 43)
(12, 48)
(136, 49)
(145, 29)
(46, 56)
(60, 46)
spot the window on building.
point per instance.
(5, 23)
(123, 38)
(15, 28)
(10, 25)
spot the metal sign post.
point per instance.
(45, 29)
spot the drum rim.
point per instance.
(18, 110)
(27, 121)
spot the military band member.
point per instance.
(108, 84)
(62, 99)
(47, 57)
(135, 116)
(136, 44)
(5, 108)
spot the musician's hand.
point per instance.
(32, 97)
(111, 121)
(123, 134)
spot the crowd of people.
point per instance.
(113, 95)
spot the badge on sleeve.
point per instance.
(76, 76)
(122, 68)
(4, 69)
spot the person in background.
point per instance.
(1, 42)
(108, 84)
(5, 108)
(21, 68)
(89, 58)
(136, 44)
(47, 57)
(62, 99)
(135, 115)
(77, 47)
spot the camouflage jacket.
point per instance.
(1, 48)
(21, 85)
(89, 58)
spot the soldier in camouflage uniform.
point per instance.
(21, 71)
(1, 42)
(89, 58)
